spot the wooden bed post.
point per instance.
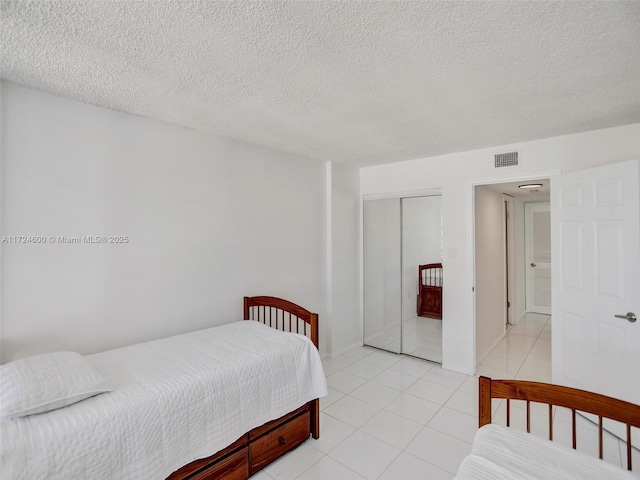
(246, 308)
(314, 329)
(484, 396)
(315, 418)
(315, 405)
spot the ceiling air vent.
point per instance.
(506, 159)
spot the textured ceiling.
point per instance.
(358, 82)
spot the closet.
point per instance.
(400, 236)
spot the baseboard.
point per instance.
(520, 318)
(490, 349)
(455, 368)
(345, 349)
(369, 338)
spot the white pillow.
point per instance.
(45, 382)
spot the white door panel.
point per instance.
(595, 237)
(538, 257)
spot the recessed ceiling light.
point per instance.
(530, 185)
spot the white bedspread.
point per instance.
(500, 452)
(174, 400)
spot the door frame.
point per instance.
(509, 255)
(471, 231)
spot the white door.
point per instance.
(421, 244)
(538, 257)
(595, 235)
(381, 273)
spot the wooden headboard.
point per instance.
(282, 315)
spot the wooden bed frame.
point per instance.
(430, 290)
(259, 447)
(557, 395)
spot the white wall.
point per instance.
(1, 231)
(456, 174)
(490, 269)
(209, 220)
(345, 307)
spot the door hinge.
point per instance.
(508, 304)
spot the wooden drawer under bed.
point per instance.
(268, 447)
(253, 451)
(233, 467)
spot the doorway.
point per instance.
(500, 257)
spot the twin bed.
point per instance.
(220, 403)
(500, 452)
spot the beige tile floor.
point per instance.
(392, 417)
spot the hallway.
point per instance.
(524, 353)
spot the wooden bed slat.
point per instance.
(573, 428)
(628, 447)
(550, 422)
(600, 436)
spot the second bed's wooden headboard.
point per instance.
(561, 396)
(282, 315)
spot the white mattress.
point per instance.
(174, 400)
(500, 452)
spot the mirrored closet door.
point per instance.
(403, 276)
(382, 285)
